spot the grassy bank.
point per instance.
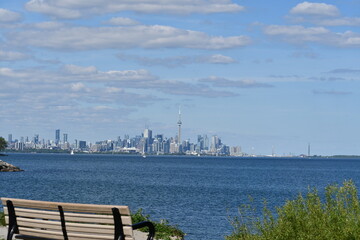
(163, 229)
(337, 216)
(2, 219)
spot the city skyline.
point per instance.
(146, 143)
(264, 76)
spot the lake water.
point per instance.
(195, 193)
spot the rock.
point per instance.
(7, 167)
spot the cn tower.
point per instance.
(179, 124)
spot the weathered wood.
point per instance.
(69, 216)
(76, 207)
(83, 221)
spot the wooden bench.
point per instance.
(29, 219)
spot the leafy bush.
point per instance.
(337, 216)
(163, 229)
(2, 219)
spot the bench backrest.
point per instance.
(83, 221)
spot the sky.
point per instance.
(269, 76)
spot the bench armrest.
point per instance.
(146, 224)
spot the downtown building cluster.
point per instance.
(145, 143)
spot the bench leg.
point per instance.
(13, 228)
(63, 225)
(119, 231)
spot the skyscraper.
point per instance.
(57, 136)
(147, 140)
(179, 124)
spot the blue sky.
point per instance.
(264, 75)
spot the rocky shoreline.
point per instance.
(7, 167)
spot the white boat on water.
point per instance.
(72, 152)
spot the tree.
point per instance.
(3, 143)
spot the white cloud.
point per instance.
(114, 90)
(332, 92)
(178, 61)
(299, 34)
(345, 21)
(47, 7)
(345, 71)
(101, 108)
(223, 82)
(122, 21)
(8, 16)
(12, 56)
(8, 72)
(74, 69)
(295, 30)
(156, 36)
(319, 9)
(49, 25)
(77, 87)
(321, 14)
(80, 8)
(221, 59)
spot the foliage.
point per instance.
(3, 143)
(305, 218)
(2, 219)
(163, 229)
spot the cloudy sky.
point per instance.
(265, 75)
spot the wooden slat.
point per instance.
(41, 233)
(92, 228)
(36, 223)
(77, 207)
(59, 234)
(75, 217)
(71, 227)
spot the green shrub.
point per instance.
(163, 230)
(337, 216)
(2, 219)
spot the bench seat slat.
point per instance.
(70, 227)
(75, 217)
(41, 233)
(72, 236)
(77, 207)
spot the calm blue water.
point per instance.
(195, 193)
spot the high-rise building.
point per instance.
(147, 140)
(10, 138)
(82, 145)
(57, 136)
(215, 143)
(65, 138)
(147, 133)
(36, 139)
(179, 124)
(235, 151)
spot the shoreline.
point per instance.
(6, 153)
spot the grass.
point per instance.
(337, 216)
(163, 230)
(2, 219)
